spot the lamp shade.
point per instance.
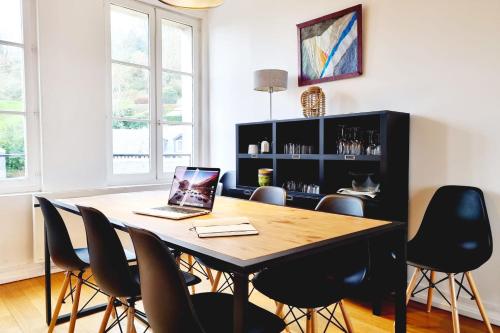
(193, 4)
(270, 80)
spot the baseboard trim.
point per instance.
(22, 272)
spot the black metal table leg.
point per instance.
(240, 304)
(401, 282)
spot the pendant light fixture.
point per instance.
(193, 4)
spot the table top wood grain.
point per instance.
(282, 230)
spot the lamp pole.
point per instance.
(271, 90)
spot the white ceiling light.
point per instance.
(193, 4)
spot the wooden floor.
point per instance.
(22, 309)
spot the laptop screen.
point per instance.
(194, 187)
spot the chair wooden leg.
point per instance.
(215, 284)
(107, 314)
(130, 319)
(413, 281)
(430, 292)
(313, 320)
(347, 319)
(308, 321)
(60, 299)
(479, 303)
(454, 309)
(76, 301)
(210, 275)
(279, 312)
(190, 263)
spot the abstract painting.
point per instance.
(330, 47)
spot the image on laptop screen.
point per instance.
(194, 187)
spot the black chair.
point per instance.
(311, 284)
(65, 257)
(228, 181)
(266, 194)
(109, 264)
(170, 308)
(269, 194)
(454, 238)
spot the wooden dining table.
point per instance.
(285, 234)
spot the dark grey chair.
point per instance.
(317, 283)
(269, 194)
(110, 267)
(170, 308)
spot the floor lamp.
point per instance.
(270, 80)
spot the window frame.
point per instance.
(156, 14)
(31, 182)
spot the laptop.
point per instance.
(192, 194)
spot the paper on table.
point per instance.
(223, 227)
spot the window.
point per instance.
(18, 107)
(153, 96)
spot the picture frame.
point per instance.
(330, 47)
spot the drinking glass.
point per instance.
(341, 140)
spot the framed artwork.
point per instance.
(330, 47)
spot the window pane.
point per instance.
(129, 36)
(177, 98)
(171, 162)
(130, 92)
(177, 46)
(12, 146)
(131, 147)
(11, 78)
(177, 139)
(10, 21)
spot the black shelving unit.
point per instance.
(324, 167)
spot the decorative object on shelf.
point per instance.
(297, 148)
(265, 177)
(363, 182)
(270, 80)
(313, 102)
(294, 186)
(253, 149)
(264, 147)
(193, 4)
(330, 47)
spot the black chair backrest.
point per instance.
(58, 240)
(107, 257)
(457, 218)
(342, 204)
(269, 194)
(354, 266)
(228, 181)
(164, 293)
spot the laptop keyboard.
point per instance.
(178, 210)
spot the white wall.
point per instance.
(437, 60)
(72, 65)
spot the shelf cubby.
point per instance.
(249, 170)
(305, 171)
(304, 132)
(254, 134)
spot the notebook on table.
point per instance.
(224, 227)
